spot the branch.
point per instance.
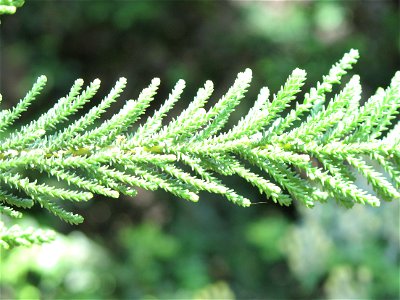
(309, 155)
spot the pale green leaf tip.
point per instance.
(209, 84)
(246, 203)
(156, 81)
(376, 203)
(5, 9)
(248, 73)
(42, 78)
(181, 82)
(299, 72)
(122, 80)
(354, 53)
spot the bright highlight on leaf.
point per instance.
(310, 154)
(10, 6)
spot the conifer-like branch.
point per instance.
(287, 159)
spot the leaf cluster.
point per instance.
(310, 154)
(10, 6)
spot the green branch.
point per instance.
(310, 162)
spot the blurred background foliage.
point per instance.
(156, 246)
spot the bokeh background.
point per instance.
(157, 246)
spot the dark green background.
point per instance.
(155, 245)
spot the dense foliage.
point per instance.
(153, 245)
(109, 159)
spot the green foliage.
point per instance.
(260, 237)
(15, 236)
(335, 250)
(56, 276)
(10, 6)
(219, 290)
(146, 249)
(309, 161)
(152, 266)
(325, 250)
